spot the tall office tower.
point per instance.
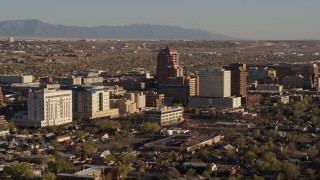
(168, 65)
(238, 79)
(215, 82)
(49, 108)
(91, 103)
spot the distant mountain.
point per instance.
(36, 28)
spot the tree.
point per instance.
(59, 166)
(250, 156)
(206, 174)
(123, 170)
(190, 173)
(108, 124)
(173, 173)
(311, 173)
(81, 134)
(241, 141)
(48, 176)
(150, 128)
(128, 159)
(255, 177)
(109, 158)
(19, 170)
(204, 153)
(312, 152)
(290, 170)
(89, 149)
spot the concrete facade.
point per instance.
(165, 115)
(215, 82)
(47, 108)
(211, 102)
(92, 103)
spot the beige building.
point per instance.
(212, 102)
(215, 82)
(116, 90)
(3, 121)
(92, 103)
(133, 102)
(164, 115)
(47, 108)
(126, 106)
(138, 97)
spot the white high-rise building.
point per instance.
(215, 82)
(48, 108)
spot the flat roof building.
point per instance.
(215, 82)
(164, 115)
(48, 107)
(92, 103)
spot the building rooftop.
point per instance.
(168, 50)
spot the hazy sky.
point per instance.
(249, 19)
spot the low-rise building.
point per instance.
(215, 102)
(70, 80)
(91, 172)
(164, 115)
(270, 87)
(8, 79)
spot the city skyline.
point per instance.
(247, 19)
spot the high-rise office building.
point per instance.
(168, 65)
(92, 103)
(48, 108)
(215, 82)
(238, 79)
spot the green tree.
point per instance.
(290, 170)
(48, 176)
(19, 170)
(241, 141)
(204, 153)
(108, 124)
(81, 134)
(312, 152)
(89, 149)
(255, 177)
(173, 173)
(123, 170)
(311, 173)
(109, 158)
(250, 156)
(59, 166)
(206, 174)
(150, 128)
(190, 173)
(128, 158)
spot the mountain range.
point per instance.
(36, 28)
